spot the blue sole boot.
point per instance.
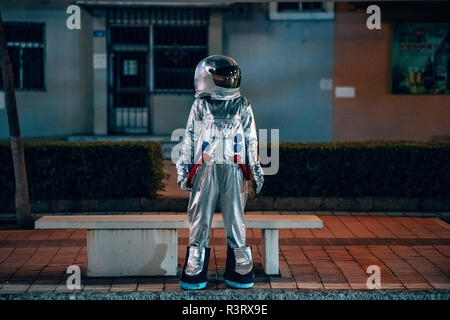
(239, 280)
(198, 281)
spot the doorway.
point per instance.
(128, 90)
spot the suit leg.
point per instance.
(202, 202)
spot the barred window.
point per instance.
(301, 10)
(296, 6)
(175, 40)
(176, 51)
(25, 43)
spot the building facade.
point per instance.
(129, 69)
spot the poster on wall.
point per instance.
(421, 58)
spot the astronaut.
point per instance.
(219, 154)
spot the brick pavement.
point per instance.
(412, 253)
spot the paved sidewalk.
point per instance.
(413, 254)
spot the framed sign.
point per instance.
(421, 58)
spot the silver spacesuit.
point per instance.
(219, 153)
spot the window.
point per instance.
(25, 43)
(301, 10)
(176, 52)
(172, 41)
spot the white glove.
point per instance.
(259, 184)
(182, 183)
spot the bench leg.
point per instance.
(270, 251)
(132, 252)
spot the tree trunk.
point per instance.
(23, 207)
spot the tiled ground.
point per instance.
(413, 254)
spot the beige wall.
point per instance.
(283, 64)
(362, 59)
(64, 107)
(169, 112)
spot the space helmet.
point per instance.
(218, 77)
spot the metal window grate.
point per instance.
(158, 16)
(286, 6)
(303, 6)
(176, 51)
(319, 10)
(24, 32)
(151, 50)
(25, 43)
(134, 35)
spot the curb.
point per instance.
(235, 294)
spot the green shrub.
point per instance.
(69, 170)
(347, 169)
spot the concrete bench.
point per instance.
(133, 245)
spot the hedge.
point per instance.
(97, 170)
(358, 169)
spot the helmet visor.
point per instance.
(226, 77)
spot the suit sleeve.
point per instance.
(251, 143)
(186, 158)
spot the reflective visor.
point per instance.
(226, 77)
